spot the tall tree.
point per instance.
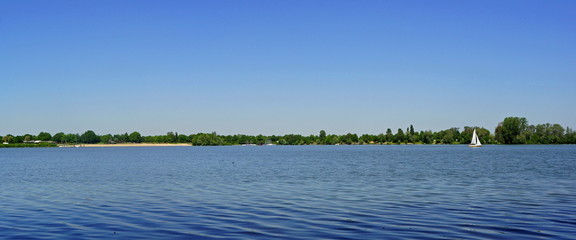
(182, 138)
(135, 137)
(322, 137)
(8, 138)
(207, 139)
(508, 130)
(171, 137)
(107, 138)
(58, 137)
(44, 136)
(389, 135)
(426, 137)
(71, 138)
(399, 136)
(89, 137)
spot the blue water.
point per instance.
(289, 192)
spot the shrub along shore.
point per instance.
(513, 130)
(28, 145)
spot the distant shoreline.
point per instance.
(513, 130)
(136, 145)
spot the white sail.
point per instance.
(474, 137)
(475, 140)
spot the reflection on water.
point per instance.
(289, 192)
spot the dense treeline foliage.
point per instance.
(516, 130)
(513, 130)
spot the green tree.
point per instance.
(207, 139)
(570, 136)
(381, 138)
(293, 139)
(8, 138)
(121, 138)
(507, 132)
(349, 138)
(71, 138)
(171, 137)
(89, 137)
(58, 137)
(332, 139)
(389, 135)
(426, 137)
(367, 139)
(322, 137)
(44, 136)
(108, 138)
(135, 137)
(260, 139)
(18, 139)
(399, 137)
(183, 138)
(556, 134)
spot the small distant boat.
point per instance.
(475, 140)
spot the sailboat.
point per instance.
(475, 140)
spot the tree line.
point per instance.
(516, 130)
(513, 130)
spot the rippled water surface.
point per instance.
(289, 192)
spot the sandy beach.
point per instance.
(137, 145)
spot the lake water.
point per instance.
(289, 192)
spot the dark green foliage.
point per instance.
(183, 138)
(17, 139)
(89, 137)
(399, 137)
(332, 139)
(427, 137)
(135, 137)
(367, 138)
(513, 130)
(8, 139)
(448, 136)
(293, 139)
(349, 138)
(58, 137)
(207, 139)
(508, 131)
(44, 136)
(389, 135)
(28, 145)
(171, 137)
(71, 138)
(322, 137)
(28, 137)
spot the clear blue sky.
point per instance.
(280, 67)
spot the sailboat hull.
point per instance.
(472, 145)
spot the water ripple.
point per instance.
(322, 192)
